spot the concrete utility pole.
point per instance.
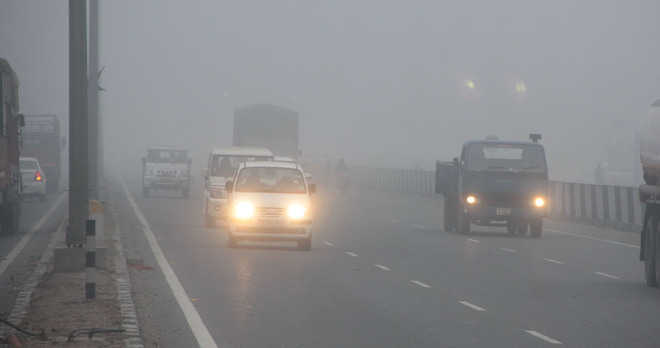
(93, 95)
(78, 153)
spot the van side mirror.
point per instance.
(312, 188)
(229, 186)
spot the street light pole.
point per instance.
(78, 127)
(93, 95)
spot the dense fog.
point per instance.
(379, 82)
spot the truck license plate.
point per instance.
(503, 211)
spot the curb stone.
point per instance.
(127, 306)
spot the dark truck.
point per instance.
(11, 123)
(649, 194)
(495, 183)
(42, 140)
(270, 126)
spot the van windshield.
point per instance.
(506, 157)
(271, 180)
(224, 165)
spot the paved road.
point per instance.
(20, 251)
(382, 274)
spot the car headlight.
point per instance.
(539, 202)
(296, 211)
(244, 210)
(471, 200)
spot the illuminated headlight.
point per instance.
(244, 210)
(471, 200)
(296, 211)
(539, 202)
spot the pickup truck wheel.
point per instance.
(536, 228)
(651, 254)
(463, 223)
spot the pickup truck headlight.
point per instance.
(296, 211)
(539, 202)
(244, 210)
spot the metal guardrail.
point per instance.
(617, 207)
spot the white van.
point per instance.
(270, 201)
(222, 163)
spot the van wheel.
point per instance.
(536, 228)
(305, 244)
(231, 241)
(651, 252)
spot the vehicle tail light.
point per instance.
(37, 176)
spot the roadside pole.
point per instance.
(78, 126)
(93, 95)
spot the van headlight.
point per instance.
(296, 211)
(471, 200)
(539, 202)
(244, 210)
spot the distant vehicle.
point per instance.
(495, 183)
(165, 168)
(11, 123)
(42, 140)
(222, 163)
(270, 201)
(649, 194)
(34, 178)
(270, 126)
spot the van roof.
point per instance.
(499, 142)
(270, 164)
(242, 151)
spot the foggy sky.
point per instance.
(377, 81)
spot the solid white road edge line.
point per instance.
(199, 330)
(473, 306)
(607, 275)
(594, 238)
(384, 268)
(543, 337)
(350, 253)
(28, 236)
(554, 261)
(473, 240)
(417, 282)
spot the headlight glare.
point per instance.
(244, 210)
(539, 202)
(471, 199)
(296, 211)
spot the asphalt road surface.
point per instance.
(381, 273)
(19, 251)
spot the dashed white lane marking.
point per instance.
(607, 275)
(350, 253)
(417, 282)
(594, 238)
(199, 330)
(543, 337)
(328, 243)
(419, 227)
(473, 240)
(26, 238)
(509, 250)
(384, 268)
(472, 305)
(554, 261)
